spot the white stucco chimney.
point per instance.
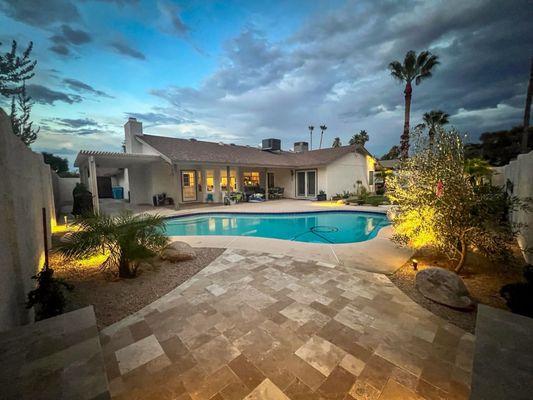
(133, 128)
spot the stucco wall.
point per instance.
(343, 173)
(520, 173)
(164, 181)
(284, 179)
(25, 188)
(140, 184)
(63, 188)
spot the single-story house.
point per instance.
(190, 170)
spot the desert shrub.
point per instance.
(519, 296)
(439, 205)
(48, 297)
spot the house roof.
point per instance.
(197, 151)
(389, 164)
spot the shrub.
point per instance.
(127, 238)
(440, 205)
(519, 296)
(48, 297)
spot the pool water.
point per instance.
(311, 227)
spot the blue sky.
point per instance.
(245, 70)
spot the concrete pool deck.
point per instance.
(379, 254)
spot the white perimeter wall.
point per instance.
(520, 173)
(63, 188)
(25, 188)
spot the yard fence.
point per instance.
(25, 188)
(517, 178)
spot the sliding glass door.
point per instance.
(306, 183)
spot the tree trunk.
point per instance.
(124, 270)
(527, 111)
(462, 260)
(431, 134)
(404, 140)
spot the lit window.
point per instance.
(251, 179)
(209, 180)
(224, 180)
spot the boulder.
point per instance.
(178, 251)
(444, 287)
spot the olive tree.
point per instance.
(439, 205)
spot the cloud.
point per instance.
(172, 21)
(43, 95)
(57, 151)
(75, 36)
(158, 118)
(67, 38)
(60, 49)
(39, 13)
(76, 123)
(123, 48)
(82, 87)
(333, 70)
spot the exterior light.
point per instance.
(66, 220)
(414, 263)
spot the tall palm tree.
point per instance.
(311, 128)
(527, 110)
(322, 129)
(337, 142)
(434, 119)
(414, 68)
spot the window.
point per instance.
(251, 179)
(209, 180)
(370, 177)
(199, 175)
(186, 180)
(224, 180)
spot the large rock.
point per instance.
(178, 251)
(444, 287)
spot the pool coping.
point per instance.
(378, 212)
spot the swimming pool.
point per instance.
(312, 227)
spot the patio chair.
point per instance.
(275, 192)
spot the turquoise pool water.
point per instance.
(312, 227)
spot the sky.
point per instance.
(241, 71)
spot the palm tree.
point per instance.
(127, 239)
(359, 138)
(414, 68)
(311, 128)
(527, 110)
(337, 142)
(434, 119)
(322, 129)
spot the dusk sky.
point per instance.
(245, 70)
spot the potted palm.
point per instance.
(127, 239)
(321, 196)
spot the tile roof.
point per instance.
(192, 150)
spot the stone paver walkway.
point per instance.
(263, 327)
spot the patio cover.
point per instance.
(108, 162)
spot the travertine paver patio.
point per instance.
(261, 326)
